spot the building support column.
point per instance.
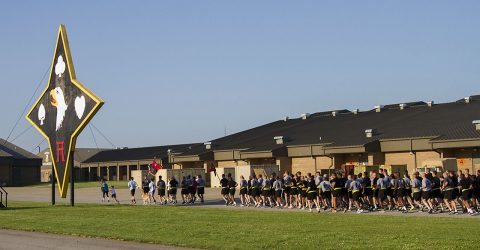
(98, 171)
(128, 172)
(118, 172)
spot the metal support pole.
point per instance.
(52, 179)
(72, 180)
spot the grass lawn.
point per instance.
(217, 228)
(117, 184)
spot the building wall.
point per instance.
(226, 164)
(404, 158)
(5, 174)
(284, 163)
(303, 164)
(412, 160)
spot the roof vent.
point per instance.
(334, 113)
(286, 118)
(356, 111)
(305, 116)
(378, 108)
(279, 139)
(369, 132)
(477, 124)
(430, 103)
(402, 106)
(467, 99)
(208, 145)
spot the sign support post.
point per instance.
(72, 180)
(52, 178)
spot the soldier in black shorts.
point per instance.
(161, 186)
(448, 192)
(173, 190)
(312, 195)
(465, 186)
(336, 190)
(224, 190)
(294, 192)
(232, 186)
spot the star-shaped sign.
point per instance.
(63, 110)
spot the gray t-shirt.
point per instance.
(325, 186)
(426, 184)
(318, 180)
(200, 182)
(243, 183)
(277, 185)
(287, 180)
(354, 186)
(406, 180)
(266, 183)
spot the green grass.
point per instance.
(117, 184)
(217, 228)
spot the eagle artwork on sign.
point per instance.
(63, 110)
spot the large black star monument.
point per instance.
(62, 111)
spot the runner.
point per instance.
(287, 182)
(104, 188)
(243, 191)
(232, 186)
(173, 184)
(465, 186)
(303, 186)
(132, 186)
(375, 189)
(191, 190)
(399, 192)
(151, 191)
(416, 184)
(436, 192)
(255, 191)
(278, 188)
(382, 183)
(408, 190)
(354, 188)
(318, 180)
(266, 193)
(224, 191)
(161, 190)
(294, 192)
(449, 194)
(200, 188)
(368, 191)
(336, 190)
(184, 187)
(426, 192)
(326, 193)
(114, 194)
(312, 194)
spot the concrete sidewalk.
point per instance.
(14, 240)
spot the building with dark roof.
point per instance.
(17, 165)
(117, 164)
(405, 136)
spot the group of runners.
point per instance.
(431, 192)
(365, 192)
(192, 188)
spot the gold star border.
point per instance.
(62, 32)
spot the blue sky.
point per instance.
(181, 71)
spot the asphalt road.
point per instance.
(212, 200)
(15, 240)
